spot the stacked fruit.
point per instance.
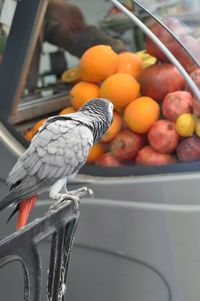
(156, 116)
(105, 74)
(153, 120)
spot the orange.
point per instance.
(115, 127)
(37, 126)
(71, 75)
(141, 113)
(82, 92)
(97, 63)
(121, 89)
(129, 62)
(28, 135)
(67, 111)
(96, 151)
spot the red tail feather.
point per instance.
(25, 208)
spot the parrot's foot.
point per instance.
(81, 192)
(66, 197)
(73, 195)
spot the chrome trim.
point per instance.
(33, 108)
(13, 145)
(30, 50)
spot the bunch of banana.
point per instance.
(147, 59)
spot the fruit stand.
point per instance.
(138, 239)
(156, 118)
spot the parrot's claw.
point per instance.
(81, 192)
(73, 195)
(66, 197)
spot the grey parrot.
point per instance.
(56, 153)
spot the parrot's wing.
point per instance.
(58, 150)
(66, 152)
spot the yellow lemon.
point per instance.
(185, 125)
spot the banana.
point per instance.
(147, 59)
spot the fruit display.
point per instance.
(156, 117)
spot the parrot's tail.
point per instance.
(25, 208)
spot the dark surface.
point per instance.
(16, 58)
(22, 246)
(139, 170)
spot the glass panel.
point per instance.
(182, 18)
(67, 31)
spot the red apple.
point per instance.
(107, 160)
(189, 149)
(160, 79)
(148, 156)
(126, 145)
(163, 136)
(176, 103)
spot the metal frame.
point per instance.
(25, 29)
(61, 223)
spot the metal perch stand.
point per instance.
(61, 224)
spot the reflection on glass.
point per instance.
(67, 31)
(65, 35)
(182, 18)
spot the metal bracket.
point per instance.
(22, 246)
(25, 29)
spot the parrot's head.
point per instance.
(100, 113)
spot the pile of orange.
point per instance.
(107, 74)
(31, 133)
(104, 73)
